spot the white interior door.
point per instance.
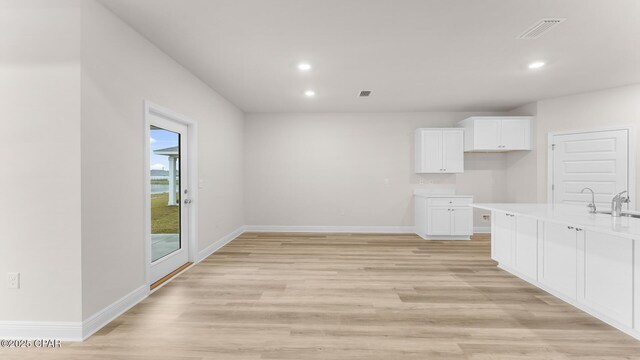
(169, 196)
(598, 160)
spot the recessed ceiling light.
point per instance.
(310, 93)
(536, 65)
(304, 66)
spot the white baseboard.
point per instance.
(482, 229)
(108, 314)
(332, 229)
(220, 243)
(31, 330)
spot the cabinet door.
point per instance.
(558, 259)
(430, 149)
(439, 221)
(461, 221)
(605, 277)
(486, 133)
(526, 247)
(502, 233)
(453, 151)
(515, 134)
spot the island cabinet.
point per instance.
(605, 275)
(515, 243)
(559, 258)
(596, 271)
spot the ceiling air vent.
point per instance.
(539, 28)
(365, 93)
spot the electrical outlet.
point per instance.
(486, 218)
(13, 280)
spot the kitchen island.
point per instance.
(591, 261)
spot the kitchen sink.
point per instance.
(623, 214)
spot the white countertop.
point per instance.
(437, 193)
(575, 215)
(441, 196)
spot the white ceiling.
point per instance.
(416, 55)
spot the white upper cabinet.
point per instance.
(439, 150)
(497, 133)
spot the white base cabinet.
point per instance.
(596, 272)
(559, 254)
(514, 243)
(444, 218)
(605, 275)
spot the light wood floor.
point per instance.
(349, 296)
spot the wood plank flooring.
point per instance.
(348, 296)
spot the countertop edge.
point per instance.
(561, 221)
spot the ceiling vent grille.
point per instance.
(540, 28)
(365, 93)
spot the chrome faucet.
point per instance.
(616, 203)
(592, 205)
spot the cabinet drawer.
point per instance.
(449, 201)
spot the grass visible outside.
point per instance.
(164, 219)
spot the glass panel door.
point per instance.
(168, 197)
(165, 193)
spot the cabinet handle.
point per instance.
(578, 229)
(570, 227)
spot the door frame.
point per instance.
(631, 158)
(192, 173)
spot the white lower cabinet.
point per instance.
(461, 220)
(502, 238)
(444, 218)
(515, 243)
(597, 272)
(558, 267)
(605, 275)
(439, 221)
(525, 258)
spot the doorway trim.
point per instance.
(151, 108)
(631, 158)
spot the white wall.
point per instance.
(522, 172)
(594, 110)
(304, 169)
(121, 69)
(40, 157)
